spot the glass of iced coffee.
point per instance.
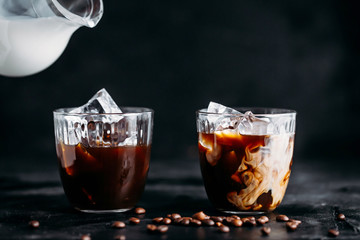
(245, 156)
(103, 153)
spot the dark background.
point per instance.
(176, 56)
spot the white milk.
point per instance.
(29, 45)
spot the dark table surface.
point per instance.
(31, 190)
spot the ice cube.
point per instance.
(72, 130)
(251, 125)
(101, 102)
(219, 121)
(218, 108)
(246, 124)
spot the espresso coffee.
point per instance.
(103, 178)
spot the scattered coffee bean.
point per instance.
(195, 222)
(177, 220)
(85, 237)
(174, 216)
(341, 217)
(249, 222)
(134, 220)
(333, 233)
(237, 222)
(118, 224)
(246, 219)
(140, 210)
(260, 221)
(235, 217)
(295, 221)
(208, 222)
(218, 224)
(291, 226)
(216, 219)
(185, 221)
(162, 228)
(200, 216)
(282, 218)
(224, 229)
(34, 224)
(166, 221)
(151, 227)
(120, 237)
(228, 220)
(158, 219)
(265, 231)
(264, 218)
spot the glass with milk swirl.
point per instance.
(245, 156)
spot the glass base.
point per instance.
(103, 211)
(240, 212)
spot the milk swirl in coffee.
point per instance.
(245, 160)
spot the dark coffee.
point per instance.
(103, 178)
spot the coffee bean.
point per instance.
(166, 221)
(162, 228)
(264, 218)
(208, 222)
(158, 219)
(200, 216)
(151, 227)
(282, 218)
(216, 219)
(224, 229)
(260, 221)
(265, 231)
(252, 219)
(333, 233)
(134, 220)
(120, 237)
(177, 220)
(195, 222)
(249, 222)
(85, 237)
(34, 224)
(235, 217)
(291, 226)
(228, 220)
(237, 222)
(140, 210)
(118, 224)
(341, 217)
(295, 221)
(218, 224)
(185, 221)
(174, 216)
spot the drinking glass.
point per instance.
(246, 158)
(103, 158)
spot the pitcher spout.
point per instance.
(83, 12)
(34, 33)
(80, 12)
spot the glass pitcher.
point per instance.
(34, 33)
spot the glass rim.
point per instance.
(264, 112)
(141, 110)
